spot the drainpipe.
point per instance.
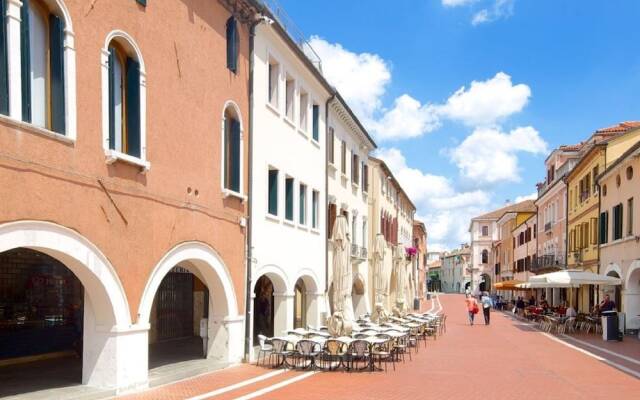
(249, 253)
(326, 191)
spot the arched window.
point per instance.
(300, 305)
(233, 44)
(42, 66)
(485, 257)
(124, 100)
(232, 149)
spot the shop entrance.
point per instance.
(41, 323)
(263, 308)
(179, 306)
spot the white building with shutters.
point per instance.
(348, 148)
(288, 180)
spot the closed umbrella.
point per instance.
(338, 324)
(379, 279)
(401, 275)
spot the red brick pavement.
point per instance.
(505, 360)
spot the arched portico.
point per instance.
(313, 296)
(272, 301)
(108, 334)
(224, 324)
(631, 295)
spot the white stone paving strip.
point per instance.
(276, 386)
(238, 385)
(593, 346)
(590, 354)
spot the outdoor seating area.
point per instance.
(371, 346)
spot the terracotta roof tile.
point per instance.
(524, 206)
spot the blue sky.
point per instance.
(546, 72)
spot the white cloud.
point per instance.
(489, 156)
(457, 3)
(361, 78)
(486, 102)
(444, 210)
(500, 9)
(532, 196)
(408, 118)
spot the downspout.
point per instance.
(326, 193)
(249, 253)
(566, 223)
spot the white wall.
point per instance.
(288, 250)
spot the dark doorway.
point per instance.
(179, 305)
(41, 322)
(263, 308)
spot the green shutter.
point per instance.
(303, 201)
(288, 187)
(314, 209)
(56, 46)
(235, 155)
(273, 192)
(232, 44)
(133, 107)
(25, 60)
(4, 65)
(316, 122)
(112, 98)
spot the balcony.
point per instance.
(547, 262)
(363, 252)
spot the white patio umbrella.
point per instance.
(573, 278)
(379, 279)
(342, 273)
(401, 273)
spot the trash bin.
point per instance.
(609, 325)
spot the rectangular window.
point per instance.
(315, 203)
(331, 144)
(604, 227)
(274, 74)
(273, 191)
(630, 217)
(233, 44)
(290, 87)
(617, 222)
(315, 122)
(365, 178)
(343, 156)
(593, 234)
(303, 204)
(304, 111)
(355, 169)
(595, 176)
(485, 231)
(288, 198)
(331, 219)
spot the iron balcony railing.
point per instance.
(547, 261)
(354, 250)
(363, 252)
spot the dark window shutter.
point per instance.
(56, 48)
(112, 99)
(288, 187)
(232, 44)
(316, 122)
(25, 59)
(235, 155)
(273, 192)
(4, 66)
(133, 107)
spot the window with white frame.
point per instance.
(290, 88)
(274, 83)
(272, 189)
(302, 207)
(315, 204)
(304, 111)
(288, 198)
(124, 100)
(232, 149)
(45, 96)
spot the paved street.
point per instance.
(506, 360)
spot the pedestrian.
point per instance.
(607, 304)
(520, 306)
(486, 307)
(472, 307)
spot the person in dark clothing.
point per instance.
(607, 304)
(532, 301)
(520, 306)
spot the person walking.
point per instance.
(472, 307)
(486, 307)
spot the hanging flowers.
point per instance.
(411, 251)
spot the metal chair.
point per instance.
(359, 351)
(265, 348)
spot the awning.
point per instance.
(570, 278)
(508, 285)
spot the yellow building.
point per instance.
(583, 205)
